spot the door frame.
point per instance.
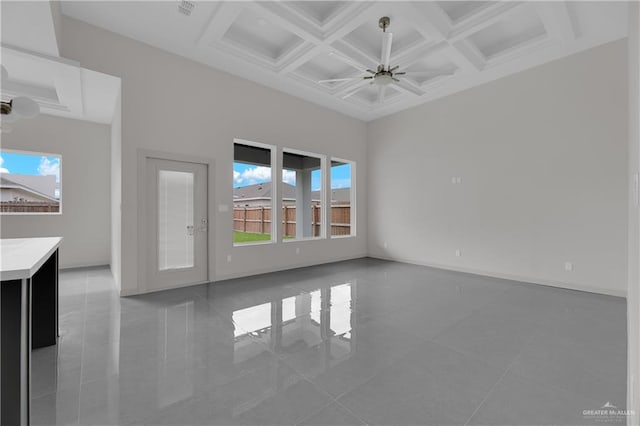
(142, 235)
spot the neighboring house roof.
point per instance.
(263, 191)
(45, 185)
(7, 183)
(341, 195)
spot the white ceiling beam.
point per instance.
(557, 20)
(432, 20)
(37, 93)
(466, 56)
(354, 57)
(295, 62)
(485, 18)
(520, 50)
(348, 19)
(286, 20)
(410, 57)
(64, 74)
(409, 87)
(219, 24)
(352, 88)
(365, 12)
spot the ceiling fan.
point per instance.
(385, 75)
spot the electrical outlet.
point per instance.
(229, 258)
(385, 245)
(458, 253)
(458, 179)
(568, 266)
(297, 250)
(454, 180)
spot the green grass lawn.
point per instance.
(248, 237)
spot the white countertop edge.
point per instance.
(27, 272)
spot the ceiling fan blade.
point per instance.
(351, 93)
(381, 93)
(427, 73)
(335, 80)
(386, 50)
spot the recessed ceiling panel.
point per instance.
(255, 33)
(368, 36)
(457, 10)
(326, 66)
(319, 11)
(519, 28)
(435, 62)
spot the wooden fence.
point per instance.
(257, 220)
(29, 207)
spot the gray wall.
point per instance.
(174, 105)
(85, 219)
(543, 157)
(633, 297)
(116, 194)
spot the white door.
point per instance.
(177, 224)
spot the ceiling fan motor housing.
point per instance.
(384, 22)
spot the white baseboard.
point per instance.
(278, 269)
(532, 280)
(88, 266)
(132, 292)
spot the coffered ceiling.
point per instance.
(292, 45)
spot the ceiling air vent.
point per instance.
(186, 7)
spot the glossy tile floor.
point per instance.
(350, 343)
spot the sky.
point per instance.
(29, 164)
(247, 174)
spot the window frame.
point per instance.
(352, 199)
(273, 150)
(41, 154)
(323, 192)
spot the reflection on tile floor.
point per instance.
(349, 343)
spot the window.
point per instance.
(342, 198)
(252, 193)
(302, 195)
(30, 183)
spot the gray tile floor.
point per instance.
(350, 343)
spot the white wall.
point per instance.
(174, 105)
(543, 157)
(633, 297)
(85, 219)
(116, 195)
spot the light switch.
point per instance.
(223, 208)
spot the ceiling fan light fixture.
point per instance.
(383, 79)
